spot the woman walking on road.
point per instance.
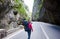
(28, 27)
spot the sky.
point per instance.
(29, 3)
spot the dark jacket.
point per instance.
(25, 23)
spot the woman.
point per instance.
(27, 27)
(30, 28)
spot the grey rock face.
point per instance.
(51, 14)
(36, 9)
(10, 20)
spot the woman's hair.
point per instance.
(24, 19)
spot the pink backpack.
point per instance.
(30, 25)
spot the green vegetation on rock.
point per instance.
(19, 6)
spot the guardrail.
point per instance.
(3, 33)
(10, 31)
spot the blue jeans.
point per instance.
(29, 34)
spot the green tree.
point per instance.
(19, 6)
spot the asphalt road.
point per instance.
(40, 31)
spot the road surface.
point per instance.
(40, 31)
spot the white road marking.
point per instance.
(44, 32)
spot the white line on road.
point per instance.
(44, 32)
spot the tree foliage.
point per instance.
(19, 7)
